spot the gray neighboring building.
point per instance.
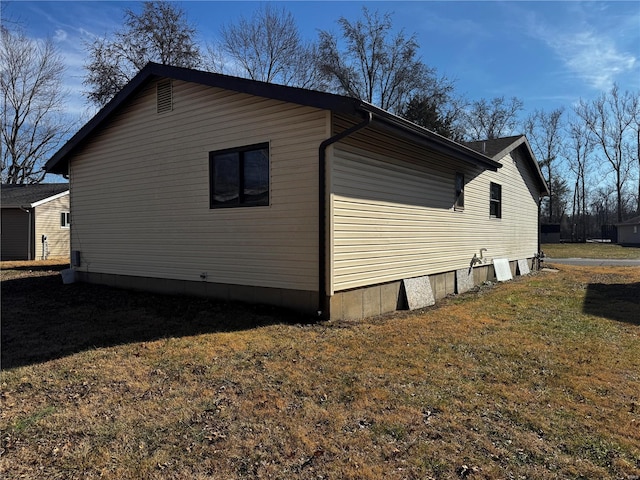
(629, 232)
(28, 213)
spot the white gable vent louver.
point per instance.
(164, 96)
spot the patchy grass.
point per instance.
(536, 378)
(589, 250)
(29, 268)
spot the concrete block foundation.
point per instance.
(354, 304)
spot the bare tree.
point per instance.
(32, 95)
(160, 33)
(578, 150)
(373, 65)
(266, 47)
(609, 118)
(439, 110)
(635, 109)
(544, 132)
(493, 119)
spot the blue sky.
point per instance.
(548, 54)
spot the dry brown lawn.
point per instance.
(538, 378)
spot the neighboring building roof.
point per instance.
(631, 221)
(327, 101)
(497, 148)
(27, 196)
(494, 147)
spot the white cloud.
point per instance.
(60, 35)
(587, 52)
(593, 57)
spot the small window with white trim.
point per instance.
(65, 220)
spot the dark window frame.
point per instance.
(459, 184)
(495, 200)
(242, 201)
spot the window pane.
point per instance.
(459, 199)
(256, 177)
(226, 188)
(459, 183)
(495, 191)
(496, 200)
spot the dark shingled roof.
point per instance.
(27, 195)
(497, 148)
(493, 146)
(631, 221)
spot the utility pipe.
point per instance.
(29, 212)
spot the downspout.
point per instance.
(539, 254)
(323, 300)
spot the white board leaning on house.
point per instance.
(502, 268)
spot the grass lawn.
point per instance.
(589, 250)
(537, 378)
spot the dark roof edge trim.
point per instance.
(300, 96)
(435, 141)
(311, 98)
(522, 140)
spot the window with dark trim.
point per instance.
(458, 203)
(239, 177)
(495, 207)
(65, 220)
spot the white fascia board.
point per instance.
(49, 199)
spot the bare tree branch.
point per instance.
(159, 33)
(609, 119)
(267, 47)
(493, 119)
(373, 66)
(32, 122)
(544, 132)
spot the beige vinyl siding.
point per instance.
(140, 197)
(48, 223)
(393, 215)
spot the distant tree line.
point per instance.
(589, 156)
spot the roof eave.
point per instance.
(431, 139)
(59, 161)
(545, 192)
(50, 199)
(519, 141)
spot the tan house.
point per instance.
(629, 232)
(207, 184)
(35, 221)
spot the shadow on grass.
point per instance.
(42, 319)
(620, 302)
(40, 268)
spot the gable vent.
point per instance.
(164, 96)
